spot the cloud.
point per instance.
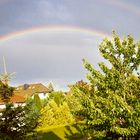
(45, 56)
(98, 14)
(57, 56)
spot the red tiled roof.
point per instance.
(29, 89)
(22, 92)
(15, 99)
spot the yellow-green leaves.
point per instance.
(114, 106)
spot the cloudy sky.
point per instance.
(45, 40)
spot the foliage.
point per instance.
(112, 108)
(52, 115)
(37, 102)
(74, 101)
(58, 97)
(5, 92)
(50, 87)
(60, 132)
(15, 122)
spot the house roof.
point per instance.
(15, 99)
(28, 90)
(21, 93)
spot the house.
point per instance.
(16, 99)
(28, 90)
(25, 91)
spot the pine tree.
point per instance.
(15, 122)
(50, 87)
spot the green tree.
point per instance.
(58, 97)
(37, 102)
(54, 115)
(112, 108)
(50, 87)
(15, 122)
(5, 92)
(74, 101)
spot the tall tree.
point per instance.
(15, 122)
(112, 108)
(37, 102)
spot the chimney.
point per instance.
(26, 86)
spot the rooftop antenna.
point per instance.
(4, 64)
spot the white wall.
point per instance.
(2, 106)
(42, 95)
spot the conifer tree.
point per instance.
(50, 87)
(15, 122)
(37, 102)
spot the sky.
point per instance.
(46, 40)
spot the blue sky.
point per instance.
(56, 57)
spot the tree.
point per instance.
(50, 87)
(5, 92)
(37, 102)
(15, 122)
(58, 97)
(74, 101)
(55, 115)
(112, 108)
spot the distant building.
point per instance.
(21, 93)
(28, 90)
(25, 91)
(16, 99)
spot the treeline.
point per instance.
(106, 107)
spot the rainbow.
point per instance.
(62, 28)
(53, 29)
